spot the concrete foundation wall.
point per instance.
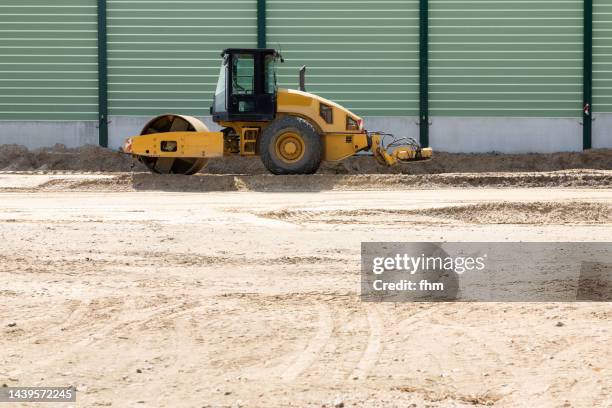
(34, 134)
(451, 134)
(602, 131)
(505, 135)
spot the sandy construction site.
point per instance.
(243, 290)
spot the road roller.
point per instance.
(291, 131)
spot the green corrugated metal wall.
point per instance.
(602, 56)
(487, 58)
(165, 55)
(361, 54)
(48, 60)
(506, 58)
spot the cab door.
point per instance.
(242, 100)
(250, 99)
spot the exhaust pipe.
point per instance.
(303, 78)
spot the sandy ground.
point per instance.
(250, 298)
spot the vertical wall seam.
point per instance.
(587, 114)
(261, 24)
(424, 73)
(102, 75)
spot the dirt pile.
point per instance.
(380, 182)
(528, 213)
(59, 157)
(95, 158)
(141, 181)
(600, 159)
(575, 212)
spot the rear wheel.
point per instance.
(291, 145)
(171, 165)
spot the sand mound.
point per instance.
(528, 213)
(380, 182)
(141, 181)
(600, 159)
(59, 157)
(95, 158)
(575, 212)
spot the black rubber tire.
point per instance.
(313, 146)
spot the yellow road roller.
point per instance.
(292, 131)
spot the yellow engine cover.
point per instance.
(307, 105)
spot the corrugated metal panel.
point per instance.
(602, 56)
(506, 58)
(165, 55)
(361, 54)
(48, 60)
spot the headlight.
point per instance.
(127, 145)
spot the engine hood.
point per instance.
(305, 104)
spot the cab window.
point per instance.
(270, 74)
(243, 74)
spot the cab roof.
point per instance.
(249, 51)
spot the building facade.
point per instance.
(463, 76)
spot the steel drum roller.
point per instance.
(169, 165)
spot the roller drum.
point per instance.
(169, 165)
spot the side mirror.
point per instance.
(303, 78)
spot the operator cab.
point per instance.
(246, 89)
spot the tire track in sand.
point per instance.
(77, 313)
(370, 355)
(101, 334)
(308, 356)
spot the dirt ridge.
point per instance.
(532, 212)
(52, 181)
(95, 158)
